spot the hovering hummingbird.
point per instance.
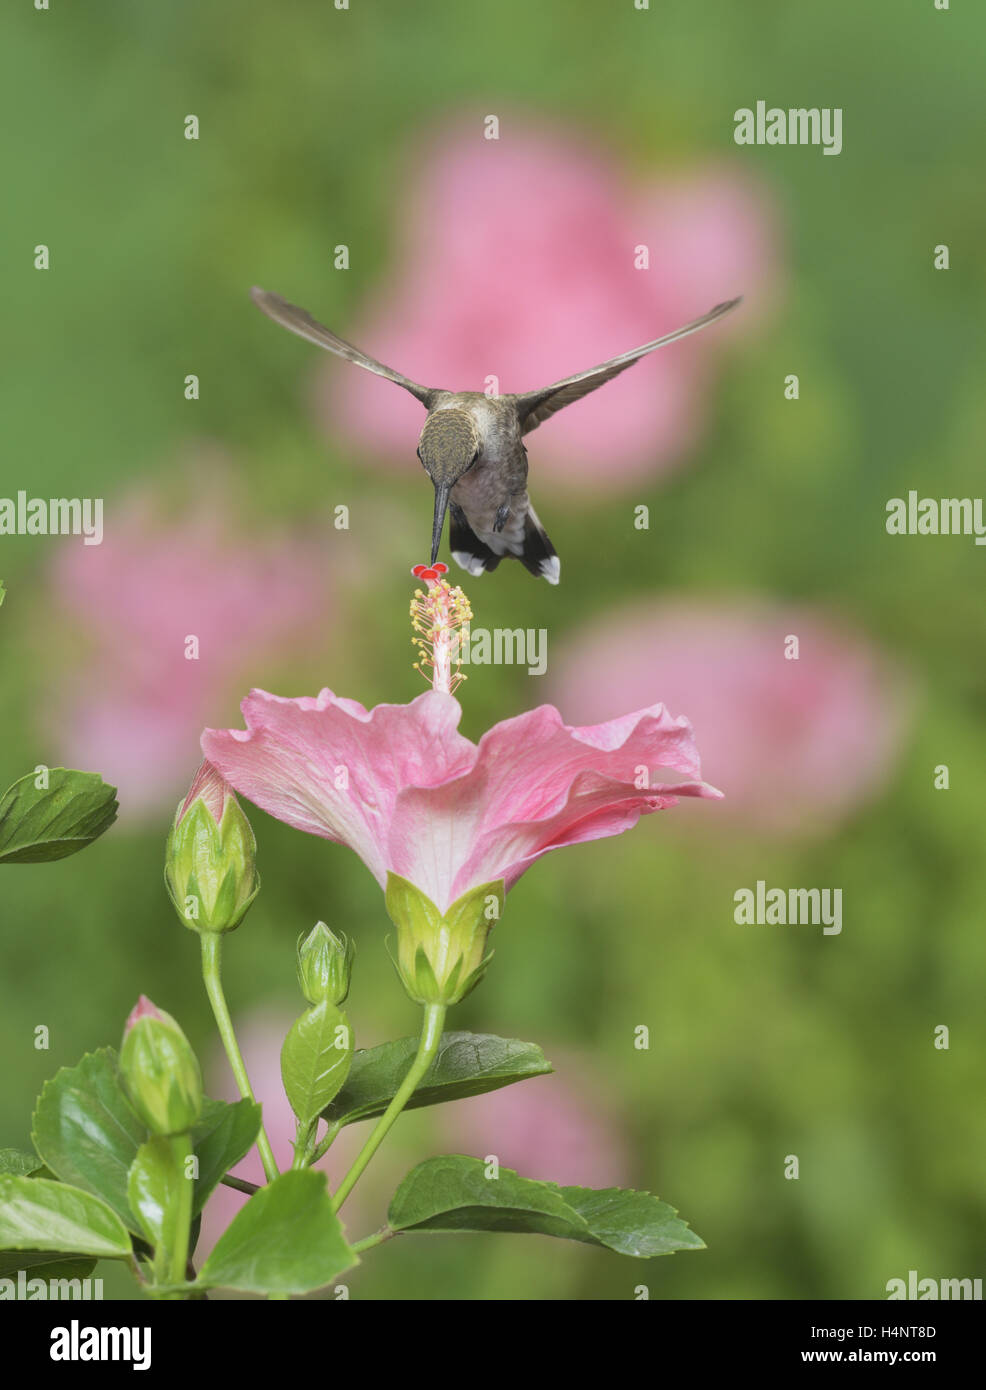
(472, 445)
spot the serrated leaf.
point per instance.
(53, 822)
(45, 1264)
(453, 1193)
(313, 1067)
(287, 1239)
(19, 1163)
(631, 1223)
(223, 1135)
(87, 1133)
(467, 1064)
(36, 1214)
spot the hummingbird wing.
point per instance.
(301, 322)
(535, 406)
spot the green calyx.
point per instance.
(441, 957)
(210, 870)
(161, 1075)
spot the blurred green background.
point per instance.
(763, 1043)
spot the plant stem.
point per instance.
(211, 958)
(240, 1184)
(368, 1242)
(181, 1149)
(323, 1147)
(304, 1143)
(431, 1036)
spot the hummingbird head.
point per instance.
(448, 447)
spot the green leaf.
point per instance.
(223, 1135)
(86, 1131)
(631, 1223)
(19, 1163)
(467, 1064)
(45, 1264)
(55, 821)
(153, 1187)
(313, 1065)
(287, 1239)
(453, 1193)
(39, 1215)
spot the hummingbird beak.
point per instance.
(442, 491)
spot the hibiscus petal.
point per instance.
(330, 767)
(596, 808)
(537, 785)
(531, 760)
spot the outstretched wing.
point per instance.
(535, 406)
(301, 322)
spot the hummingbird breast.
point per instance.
(483, 493)
(493, 493)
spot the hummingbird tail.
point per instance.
(539, 555)
(468, 551)
(480, 554)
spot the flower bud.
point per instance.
(160, 1072)
(325, 964)
(210, 861)
(441, 956)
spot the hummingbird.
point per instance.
(472, 445)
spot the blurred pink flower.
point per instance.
(422, 801)
(518, 261)
(136, 707)
(796, 745)
(261, 1036)
(545, 1128)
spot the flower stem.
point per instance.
(181, 1150)
(431, 1036)
(211, 957)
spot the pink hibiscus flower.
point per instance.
(447, 826)
(522, 258)
(404, 789)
